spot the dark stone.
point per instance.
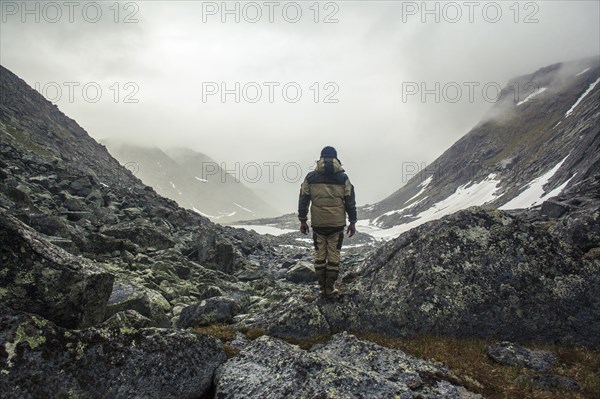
(40, 277)
(216, 310)
(302, 272)
(143, 300)
(510, 354)
(550, 382)
(81, 187)
(41, 360)
(554, 209)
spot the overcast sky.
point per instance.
(173, 58)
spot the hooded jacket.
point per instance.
(331, 194)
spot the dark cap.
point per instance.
(329, 152)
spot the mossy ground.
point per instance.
(468, 361)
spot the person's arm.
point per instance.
(303, 203)
(350, 206)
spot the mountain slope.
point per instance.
(193, 180)
(541, 137)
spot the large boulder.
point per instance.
(480, 273)
(39, 277)
(41, 360)
(345, 367)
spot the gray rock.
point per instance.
(301, 272)
(37, 276)
(41, 360)
(216, 310)
(479, 273)
(145, 301)
(127, 319)
(511, 354)
(343, 368)
(550, 382)
(81, 187)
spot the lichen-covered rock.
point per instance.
(345, 367)
(217, 310)
(37, 276)
(510, 354)
(480, 273)
(475, 273)
(147, 302)
(41, 360)
(301, 272)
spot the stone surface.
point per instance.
(301, 272)
(511, 354)
(40, 360)
(37, 276)
(550, 382)
(345, 367)
(216, 310)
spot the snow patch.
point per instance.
(582, 97)
(469, 194)
(535, 194)
(535, 93)
(246, 209)
(584, 71)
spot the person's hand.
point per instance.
(351, 229)
(304, 229)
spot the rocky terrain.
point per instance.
(103, 283)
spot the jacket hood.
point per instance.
(337, 166)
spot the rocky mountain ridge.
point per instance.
(541, 137)
(193, 180)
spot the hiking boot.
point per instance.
(321, 279)
(331, 277)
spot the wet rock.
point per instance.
(301, 272)
(41, 360)
(37, 276)
(345, 367)
(216, 310)
(511, 354)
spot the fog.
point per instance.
(153, 73)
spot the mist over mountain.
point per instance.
(541, 138)
(193, 180)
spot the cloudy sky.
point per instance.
(250, 83)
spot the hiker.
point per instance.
(332, 196)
